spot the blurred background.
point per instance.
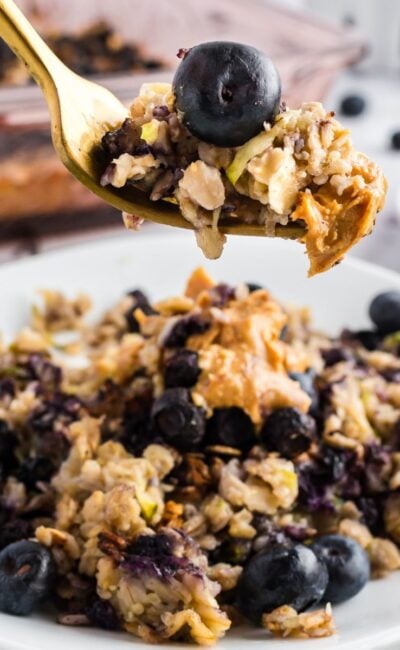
(345, 53)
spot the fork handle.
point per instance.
(26, 43)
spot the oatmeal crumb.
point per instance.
(384, 556)
(131, 221)
(286, 622)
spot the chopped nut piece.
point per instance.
(172, 515)
(53, 537)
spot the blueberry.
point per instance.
(179, 422)
(281, 575)
(221, 294)
(182, 369)
(391, 375)
(140, 301)
(376, 468)
(13, 531)
(125, 139)
(41, 369)
(372, 513)
(7, 387)
(226, 91)
(61, 407)
(347, 563)
(252, 286)
(231, 427)
(333, 463)
(384, 312)
(233, 550)
(151, 545)
(139, 297)
(8, 444)
(315, 478)
(33, 470)
(395, 141)
(369, 339)
(186, 326)
(102, 614)
(288, 431)
(268, 533)
(27, 574)
(332, 356)
(136, 431)
(352, 105)
(307, 383)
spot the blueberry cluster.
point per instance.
(333, 569)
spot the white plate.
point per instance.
(160, 264)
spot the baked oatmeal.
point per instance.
(186, 465)
(220, 143)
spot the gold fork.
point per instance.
(81, 112)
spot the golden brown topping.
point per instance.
(243, 360)
(199, 281)
(336, 222)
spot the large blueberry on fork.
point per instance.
(226, 91)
